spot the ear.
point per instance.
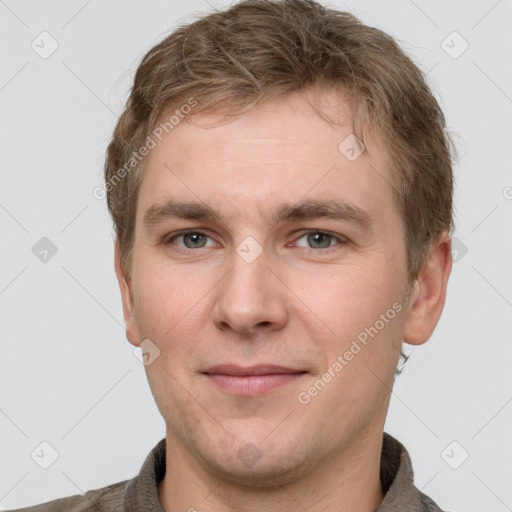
(429, 294)
(130, 320)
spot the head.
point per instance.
(248, 113)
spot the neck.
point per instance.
(347, 480)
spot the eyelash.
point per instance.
(338, 238)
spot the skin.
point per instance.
(297, 305)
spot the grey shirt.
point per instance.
(140, 494)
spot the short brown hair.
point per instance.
(258, 50)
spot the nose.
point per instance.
(251, 297)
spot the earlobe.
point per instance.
(127, 298)
(429, 294)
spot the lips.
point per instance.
(260, 369)
(253, 380)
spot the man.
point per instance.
(281, 188)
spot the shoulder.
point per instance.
(428, 505)
(106, 499)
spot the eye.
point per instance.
(321, 240)
(313, 240)
(190, 240)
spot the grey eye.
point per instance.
(319, 240)
(194, 240)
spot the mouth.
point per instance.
(253, 380)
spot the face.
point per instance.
(276, 317)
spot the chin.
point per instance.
(260, 463)
(264, 474)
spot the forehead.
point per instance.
(280, 152)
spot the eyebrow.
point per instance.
(304, 210)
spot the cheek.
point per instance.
(347, 305)
(347, 297)
(166, 300)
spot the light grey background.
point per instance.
(67, 374)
